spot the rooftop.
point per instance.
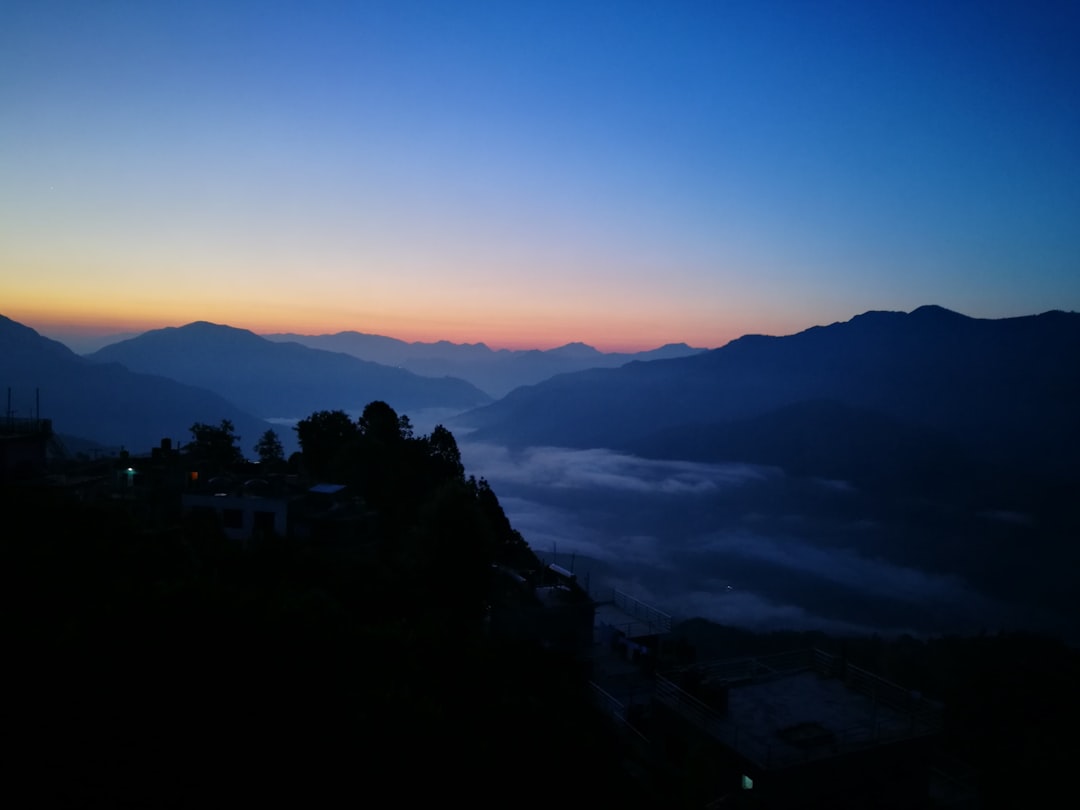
(16, 426)
(795, 707)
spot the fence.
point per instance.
(650, 621)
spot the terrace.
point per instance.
(792, 708)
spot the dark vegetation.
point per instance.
(153, 662)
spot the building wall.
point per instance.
(242, 516)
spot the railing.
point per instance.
(658, 621)
(699, 713)
(710, 721)
(920, 713)
(615, 709)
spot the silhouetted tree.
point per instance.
(443, 450)
(381, 422)
(324, 437)
(269, 449)
(216, 445)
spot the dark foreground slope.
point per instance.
(152, 662)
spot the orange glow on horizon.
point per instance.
(613, 337)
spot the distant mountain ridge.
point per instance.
(496, 372)
(278, 379)
(1008, 387)
(107, 403)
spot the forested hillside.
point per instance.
(156, 663)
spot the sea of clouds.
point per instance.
(740, 544)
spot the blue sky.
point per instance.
(528, 174)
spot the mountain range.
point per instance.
(898, 470)
(495, 371)
(925, 447)
(882, 384)
(279, 379)
(106, 403)
(883, 396)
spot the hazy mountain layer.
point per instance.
(495, 371)
(281, 379)
(105, 402)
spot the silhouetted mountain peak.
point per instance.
(18, 338)
(217, 330)
(198, 338)
(937, 311)
(574, 349)
(936, 314)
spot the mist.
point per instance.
(741, 544)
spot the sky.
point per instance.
(527, 174)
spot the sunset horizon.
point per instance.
(537, 174)
(79, 334)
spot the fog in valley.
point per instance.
(751, 546)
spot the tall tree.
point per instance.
(443, 452)
(325, 437)
(381, 423)
(269, 449)
(218, 445)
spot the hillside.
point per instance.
(284, 380)
(1007, 390)
(105, 402)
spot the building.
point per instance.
(24, 446)
(547, 606)
(797, 730)
(243, 515)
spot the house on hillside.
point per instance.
(245, 509)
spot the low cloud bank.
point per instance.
(723, 541)
(559, 467)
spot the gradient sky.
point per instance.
(527, 174)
